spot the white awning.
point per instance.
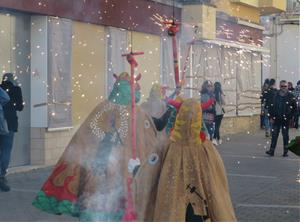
(233, 44)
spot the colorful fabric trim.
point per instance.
(62, 184)
(53, 205)
(58, 194)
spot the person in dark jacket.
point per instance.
(291, 87)
(263, 115)
(269, 94)
(10, 112)
(267, 98)
(281, 110)
(297, 95)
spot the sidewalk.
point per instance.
(263, 188)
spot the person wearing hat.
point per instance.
(15, 104)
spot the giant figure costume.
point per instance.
(146, 179)
(90, 179)
(193, 184)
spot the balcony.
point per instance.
(252, 3)
(265, 6)
(272, 6)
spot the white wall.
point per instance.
(288, 59)
(284, 60)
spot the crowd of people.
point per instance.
(280, 111)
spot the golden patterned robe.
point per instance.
(193, 184)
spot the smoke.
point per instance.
(106, 201)
(102, 188)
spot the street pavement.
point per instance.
(262, 188)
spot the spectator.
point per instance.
(10, 112)
(268, 100)
(291, 87)
(281, 110)
(264, 114)
(220, 102)
(207, 94)
(297, 95)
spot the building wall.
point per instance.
(240, 11)
(89, 64)
(102, 12)
(253, 3)
(288, 60)
(149, 63)
(240, 124)
(88, 69)
(284, 59)
(238, 33)
(279, 4)
(47, 147)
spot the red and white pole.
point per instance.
(130, 215)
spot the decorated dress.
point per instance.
(193, 184)
(90, 179)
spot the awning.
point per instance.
(232, 44)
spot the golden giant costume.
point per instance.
(193, 184)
